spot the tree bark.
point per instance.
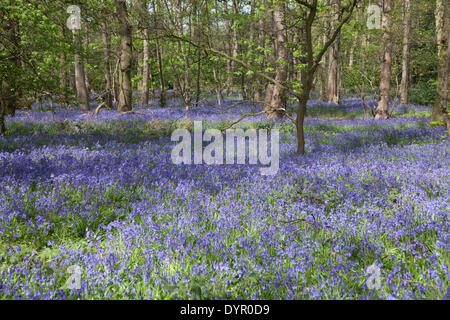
(183, 82)
(10, 90)
(107, 67)
(333, 89)
(445, 86)
(405, 54)
(162, 96)
(145, 69)
(145, 58)
(125, 90)
(307, 82)
(63, 78)
(351, 56)
(323, 69)
(229, 50)
(442, 19)
(259, 81)
(385, 79)
(235, 44)
(86, 48)
(80, 84)
(275, 95)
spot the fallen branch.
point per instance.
(135, 112)
(285, 113)
(101, 105)
(231, 106)
(242, 118)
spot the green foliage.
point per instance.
(423, 93)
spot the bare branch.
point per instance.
(241, 62)
(335, 34)
(242, 118)
(304, 3)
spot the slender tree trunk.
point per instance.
(217, 87)
(385, 81)
(197, 36)
(259, 81)
(63, 78)
(405, 54)
(183, 81)
(162, 95)
(2, 116)
(323, 71)
(82, 94)
(442, 19)
(197, 84)
(351, 56)
(306, 75)
(253, 36)
(235, 43)
(139, 67)
(86, 62)
(10, 91)
(445, 86)
(145, 69)
(145, 57)
(115, 77)
(125, 90)
(106, 67)
(278, 94)
(270, 30)
(333, 89)
(229, 50)
(307, 83)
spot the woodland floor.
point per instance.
(102, 194)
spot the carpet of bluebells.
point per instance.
(101, 193)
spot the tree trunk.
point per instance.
(183, 81)
(145, 57)
(259, 81)
(445, 85)
(162, 96)
(351, 56)
(217, 87)
(385, 79)
(107, 67)
(442, 19)
(307, 82)
(405, 54)
(115, 77)
(197, 84)
(323, 74)
(80, 84)
(86, 47)
(271, 33)
(10, 91)
(197, 37)
(229, 50)
(63, 78)
(333, 89)
(125, 90)
(2, 117)
(275, 95)
(235, 44)
(145, 70)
